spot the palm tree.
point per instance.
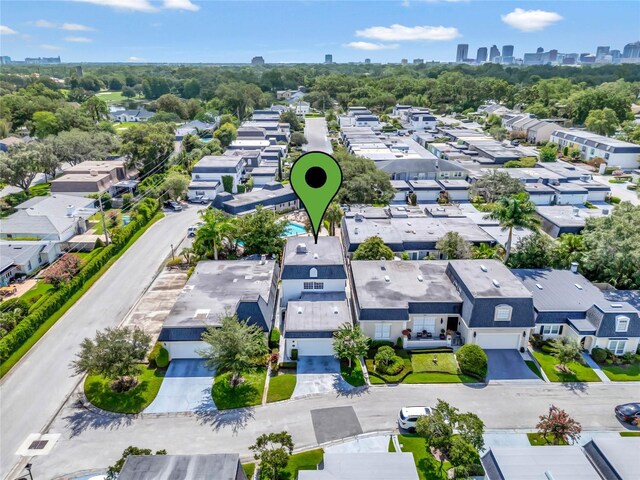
(569, 248)
(333, 215)
(217, 228)
(514, 211)
(189, 255)
(486, 251)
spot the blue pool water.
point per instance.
(206, 140)
(294, 229)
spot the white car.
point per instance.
(408, 417)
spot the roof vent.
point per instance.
(355, 230)
(539, 286)
(484, 268)
(301, 248)
(201, 314)
(496, 283)
(616, 305)
(578, 286)
(576, 212)
(420, 278)
(315, 255)
(335, 309)
(299, 310)
(386, 278)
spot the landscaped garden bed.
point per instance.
(577, 372)
(619, 368)
(428, 466)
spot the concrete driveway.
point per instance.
(186, 388)
(508, 365)
(317, 375)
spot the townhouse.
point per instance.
(615, 153)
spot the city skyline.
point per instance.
(166, 31)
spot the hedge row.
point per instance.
(36, 318)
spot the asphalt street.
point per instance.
(91, 442)
(316, 133)
(34, 390)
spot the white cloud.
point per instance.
(399, 33)
(407, 3)
(4, 30)
(135, 5)
(135, 59)
(530, 20)
(76, 27)
(181, 5)
(46, 46)
(371, 46)
(78, 39)
(44, 24)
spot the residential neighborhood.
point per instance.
(230, 255)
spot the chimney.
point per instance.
(70, 210)
(574, 267)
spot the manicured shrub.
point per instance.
(293, 365)
(399, 343)
(294, 354)
(162, 360)
(274, 338)
(153, 354)
(384, 356)
(599, 355)
(536, 340)
(472, 360)
(393, 368)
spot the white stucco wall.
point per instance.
(292, 289)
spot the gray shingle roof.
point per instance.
(182, 467)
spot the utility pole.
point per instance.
(104, 222)
(173, 253)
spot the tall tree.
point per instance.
(234, 346)
(96, 108)
(114, 353)
(216, 229)
(373, 248)
(514, 211)
(333, 215)
(77, 146)
(602, 122)
(114, 470)
(148, 146)
(176, 184)
(226, 134)
(273, 451)
(362, 181)
(19, 167)
(558, 425)
(496, 184)
(567, 249)
(454, 246)
(532, 251)
(44, 123)
(566, 350)
(349, 342)
(262, 232)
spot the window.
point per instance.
(383, 331)
(617, 346)
(551, 330)
(313, 273)
(622, 323)
(313, 286)
(502, 313)
(424, 323)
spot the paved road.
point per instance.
(619, 190)
(316, 133)
(92, 442)
(34, 390)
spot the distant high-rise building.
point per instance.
(507, 51)
(328, 58)
(616, 55)
(587, 58)
(257, 61)
(418, 61)
(367, 61)
(462, 53)
(631, 50)
(481, 56)
(602, 51)
(4, 60)
(539, 50)
(79, 71)
(404, 61)
(553, 55)
(43, 60)
(493, 53)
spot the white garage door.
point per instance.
(498, 340)
(184, 349)
(315, 346)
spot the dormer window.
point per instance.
(502, 313)
(313, 273)
(622, 323)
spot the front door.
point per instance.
(452, 324)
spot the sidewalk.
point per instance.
(596, 368)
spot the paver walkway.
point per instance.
(596, 368)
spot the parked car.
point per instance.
(191, 231)
(173, 205)
(202, 199)
(628, 413)
(408, 417)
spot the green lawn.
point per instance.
(434, 362)
(622, 373)
(247, 394)
(302, 461)
(98, 226)
(579, 372)
(18, 354)
(281, 387)
(99, 393)
(537, 440)
(249, 468)
(438, 378)
(392, 447)
(533, 367)
(353, 375)
(111, 96)
(420, 368)
(35, 294)
(630, 434)
(428, 466)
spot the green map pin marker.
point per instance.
(316, 178)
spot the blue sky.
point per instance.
(303, 31)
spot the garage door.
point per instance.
(315, 346)
(184, 349)
(498, 340)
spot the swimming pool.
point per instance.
(294, 229)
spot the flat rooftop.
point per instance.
(568, 215)
(404, 285)
(328, 251)
(216, 287)
(218, 161)
(316, 316)
(489, 279)
(256, 196)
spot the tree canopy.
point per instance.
(373, 248)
